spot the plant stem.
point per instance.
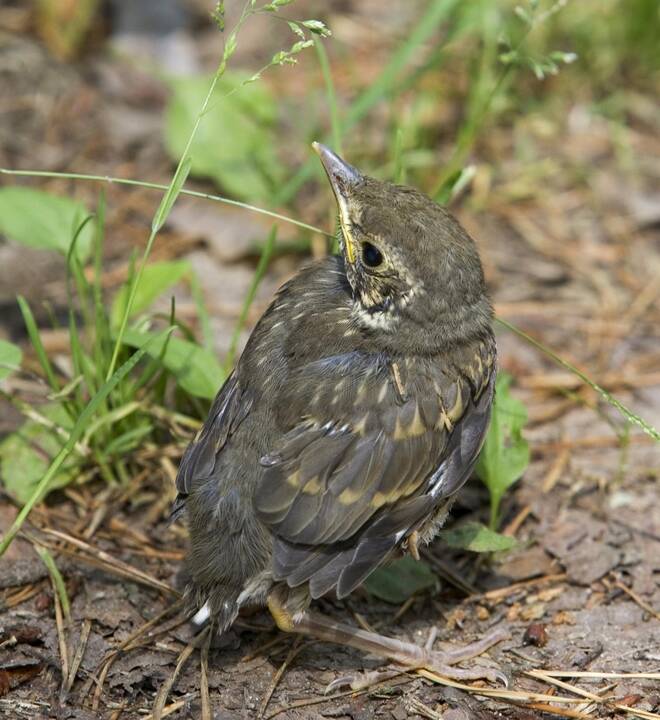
(608, 397)
(335, 123)
(158, 186)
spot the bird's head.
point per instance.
(408, 261)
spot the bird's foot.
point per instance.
(441, 662)
(401, 652)
(361, 680)
(444, 662)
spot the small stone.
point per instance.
(43, 601)
(455, 619)
(533, 612)
(399, 713)
(550, 593)
(563, 617)
(536, 635)
(482, 612)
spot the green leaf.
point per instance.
(478, 538)
(234, 145)
(57, 580)
(505, 454)
(26, 454)
(10, 358)
(317, 27)
(156, 279)
(197, 370)
(39, 219)
(37, 344)
(401, 579)
(173, 192)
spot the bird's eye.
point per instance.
(371, 256)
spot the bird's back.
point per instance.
(323, 452)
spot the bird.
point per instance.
(353, 417)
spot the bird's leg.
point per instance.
(405, 653)
(413, 544)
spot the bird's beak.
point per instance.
(343, 177)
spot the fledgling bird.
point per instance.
(354, 415)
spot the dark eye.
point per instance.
(371, 255)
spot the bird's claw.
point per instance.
(360, 681)
(437, 663)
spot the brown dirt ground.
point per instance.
(575, 262)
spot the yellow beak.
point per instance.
(343, 177)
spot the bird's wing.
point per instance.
(229, 408)
(354, 486)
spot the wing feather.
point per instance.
(229, 408)
(340, 495)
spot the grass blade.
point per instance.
(35, 339)
(607, 396)
(202, 312)
(56, 579)
(159, 186)
(262, 266)
(76, 433)
(173, 192)
(331, 96)
(436, 12)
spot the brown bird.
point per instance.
(354, 415)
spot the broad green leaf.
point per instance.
(234, 145)
(156, 279)
(10, 358)
(478, 538)
(401, 579)
(39, 219)
(26, 454)
(505, 454)
(197, 370)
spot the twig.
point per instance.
(594, 441)
(501, 593)
(279, 639)
(336, 696)
(418, 707)
(448, 573)
(168, 710)
(402, 610)
(164, 691)
(80, 652)
(602, 675)
(296, 647)
(127, 644)
(550, 678)
(23, 595)
(635, 597)
(555, 471)
(111, 563)
(512, 528)
(498, 693)
(61, 639)
(207, 713)
(562, 712)
(541, 675)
